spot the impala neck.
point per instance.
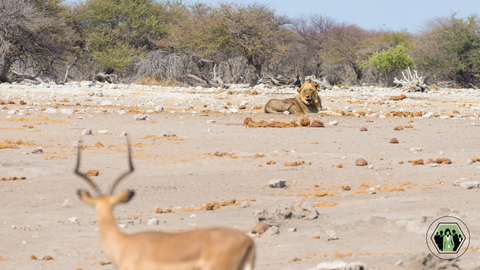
(112, 238)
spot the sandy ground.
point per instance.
(213, 157)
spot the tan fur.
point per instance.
(206, 249)
(306, 101)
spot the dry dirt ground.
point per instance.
(213, 157)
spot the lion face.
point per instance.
(308, 92)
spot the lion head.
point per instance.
(308, 92)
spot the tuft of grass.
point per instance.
(434, 87)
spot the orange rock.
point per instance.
(92, 173)
(393, 140)
(339, 165)
(260, 228)
(360, 162)
(305, 122)
(271, 162)
(363, 129)
(317, 123)
(398, 128)
(242, 107)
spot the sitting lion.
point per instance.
(306, 101)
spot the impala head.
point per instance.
(109, 199)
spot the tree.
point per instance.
(116, 32)
(32, 38)
(389, 61)
(450, 48)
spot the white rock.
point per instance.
(211, 121)
(372, 190)
(469, 161)
(473, 124)
(272, 231)
(106, 103)
(434, 165)
(67, 203)
(370, 167)
(152, 221)
(12, 112)
(105, 131)
(399, 263)
(73, 219)
(158, 109)
(208, 130)
(331, 235)
(140, 117)
(37, 150)
(123, 226)
(233, 110)
(121, 112)
(331, 265)
(469, 185)
(348, 108)
(244, 103)
(51, 110)
(333, 123)
(276, 183)
(286, 112)
(445, 117)
(193, 216)
(123, 133)
(87, 132)
(245, 204)
(293, 229)
(415, 149)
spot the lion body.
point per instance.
(306, 101)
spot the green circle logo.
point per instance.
(448, 238)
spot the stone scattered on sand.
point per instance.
(158, 109)
(466, 185)
(51, 110)
(399, 263)
(360, 162)
(106, 103)
(340, 265)
(72, 219)
(140, 117)
(260, 228)
(272, 231)
(152, 221)
(123, 226)
(122, 112)
(331, 235)
(292, 230)
(169, 134)
(37, 150)
(304, 122)
(286, 113)
(123, 133)
(393, 140)
(287, 210)
(363, 129)
(67, 203)
(276, 183)
(371, 190)
(87, 132)
(428, 261)
(317, 123)
(105, 131)
(213, 121)
(245, 204)
(93, 173)
(333, 123)
(469, 161)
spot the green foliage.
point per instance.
(117, 31)
(450, 47)
(390, 61)
(434, 87)
(395, 38)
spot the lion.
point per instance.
(306, 101)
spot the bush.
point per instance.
(163, 66)
(387, 62)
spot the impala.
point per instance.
(209, 249)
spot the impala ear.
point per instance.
(122, 197)
(85, 197)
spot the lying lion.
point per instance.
(306, 101)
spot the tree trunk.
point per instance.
(255, 70)
(6, 68)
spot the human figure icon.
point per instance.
(448, 244)
(456, 240)
(439, 240)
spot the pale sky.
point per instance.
(369, 14)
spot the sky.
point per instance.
(368, 14)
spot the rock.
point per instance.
(317, 123)
(169, 134)
(158, 109)
(123, 133)
(276, 183)
(140, 117)
(399, 263)
(260, 228)
(152, 221)
(331, 235)
(208, 130)
(106, 103)
(121, 112)
(6, 190)
(416, 149)
(469, 185)
(360, 162)
(213, 121)
(105, 131)
(67, 203)
(286, 113)
(333, 123)
(93, 172)
(371, 190)
(233, 110)
(331, 265)
(469, 161)
(12, 112)
(123, 226)
(245, 204)
(272, 231)
(370, 167)
(51, 110)
(363, 129)
(304, 122)
(66, 111)
(428, 261)
(73, 219)
(37, 150)
(87, 132)
(287, 210)
(292, 230)
(393, 140)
